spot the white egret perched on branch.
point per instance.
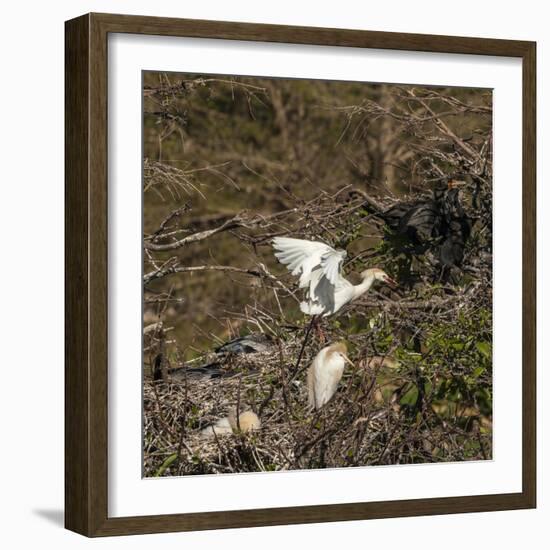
(325, 373)
(319, 267)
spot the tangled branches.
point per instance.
(393, 408)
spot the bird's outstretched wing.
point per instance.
(319, 267)
(304, 257)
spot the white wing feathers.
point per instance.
(299, 256)
(318, 266)
(331, 263)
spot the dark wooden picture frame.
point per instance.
(86, 321)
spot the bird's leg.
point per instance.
(306, 337)
(320, 332)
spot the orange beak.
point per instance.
(390, 282)
(348, 360)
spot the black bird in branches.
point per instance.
(253, 343)
(438, 223)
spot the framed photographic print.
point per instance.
(300, 275)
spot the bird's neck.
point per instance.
(364, 286)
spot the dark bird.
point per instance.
(437, 223)
(451, 251)
(419, 221)
(252, 343)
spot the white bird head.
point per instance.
(379, 275)
(340, 349)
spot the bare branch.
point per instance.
(171, 269)
(240, 220)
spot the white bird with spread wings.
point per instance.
(319, 267)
